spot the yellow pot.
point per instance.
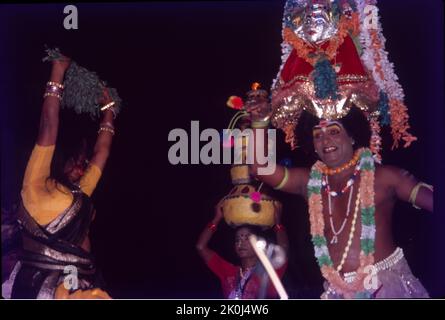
(239, 208)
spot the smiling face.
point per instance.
(243, 248)
(332, 143)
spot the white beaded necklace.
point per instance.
(334, 239)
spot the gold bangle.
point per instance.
(54, 89)
(415, 191)
(107, 106)
(107, 129)
(51, 94)
(284, 181)
(52, 83)
(260, 124)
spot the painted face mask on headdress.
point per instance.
(330, 64)
(317, 24)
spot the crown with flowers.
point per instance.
(333, 59)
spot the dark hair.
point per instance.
(69, 148)
(355, 124)
(258, 231)
(73, 139)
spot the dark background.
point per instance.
(176, 62)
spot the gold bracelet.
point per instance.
(51, 94)
(415, 191)
(52, 83)
(107, 106)
(54, 89)
(106, 129)
(284, 181)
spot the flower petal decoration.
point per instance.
(255, 196)
(235, 102)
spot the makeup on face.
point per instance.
(327, 127)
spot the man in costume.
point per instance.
(335, 70)
(56, 211)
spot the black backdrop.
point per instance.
(176, 62)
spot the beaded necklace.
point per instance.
(365, 199)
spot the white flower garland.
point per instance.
(389, 84)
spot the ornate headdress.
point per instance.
(333, 58)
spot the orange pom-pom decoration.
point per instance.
(255, 86)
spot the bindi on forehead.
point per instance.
(325, 125)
